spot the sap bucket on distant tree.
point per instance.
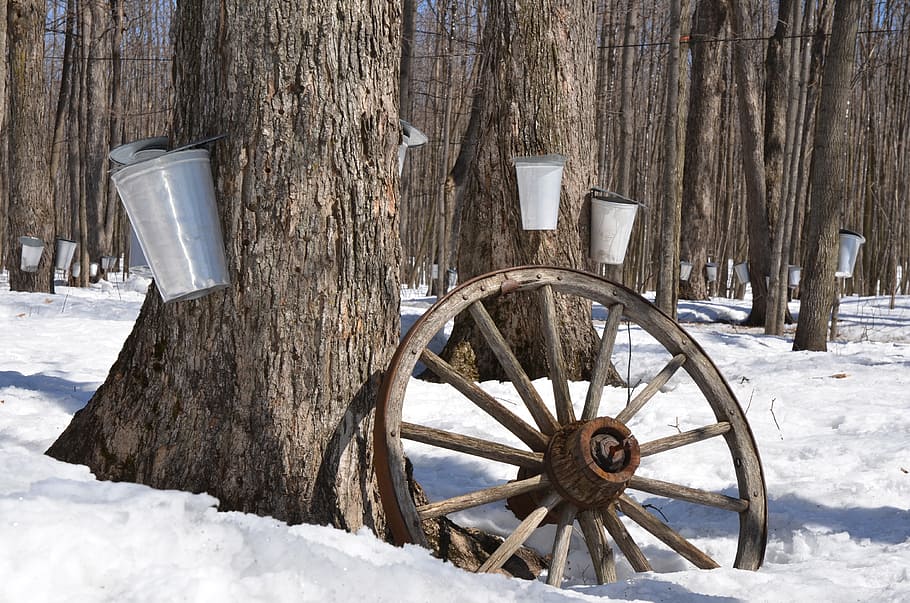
(64, 256)
(108, 262)
(539, 185)
(32, 250)
(850, 243)
(793, 275)
(170, 200)
(741, 271)
(711, 272)
(685, 270)
(612, 218)
(411, 138)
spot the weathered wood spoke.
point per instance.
(692, 495)
(561, 544)
(483, 497)
(564, 411)
(602, 363)
(545, 420)
(684, 439)
(520, 535)
(472, 445)
(598, 547)
(652, 388)
(526, 433)
(665, 533)
(624, 541)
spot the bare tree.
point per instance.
(31, 210)
(262, 394)
(828, 180)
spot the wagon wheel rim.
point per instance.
(597, 515)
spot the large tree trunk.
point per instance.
(538, 82)
(31, 207)
(827, 181)
(262, 394)
(702, 137)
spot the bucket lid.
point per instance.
(554, 159)
(199, 143)
(411, 136)
(139, 150)
(605, 195)
(65, 240)
(31, 241)
(844, 231)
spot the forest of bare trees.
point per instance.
(108, 78)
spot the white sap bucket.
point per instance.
(64, 256)
(793, 276)
(741, 271)
(850, 243)
(170, 201)
(138, 264)
(612, 218)
(410, 137)
(108, 262)
(77, 269)
(32, 250)
(93, 269)
(711, 272)
(539, 185)
(685, 270)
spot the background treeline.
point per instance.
(108, 80)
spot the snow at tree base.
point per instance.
(833, 430)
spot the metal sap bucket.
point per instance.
(170, 200)
(108, 262)
(850, 243)
(77, 269)
(612, 218)
(411, 137)
(64, 256)
(32, 250)
(793, 275)
(741, 271)
(685, 270)
(539, 185)
(711, 272)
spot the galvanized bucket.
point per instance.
(850, 243)
(170, 200)
(612, 218)
(32, 250)
(711, 272)
(741, 271)
(64, 255)
(685, 270)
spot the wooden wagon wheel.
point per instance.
(572, 467)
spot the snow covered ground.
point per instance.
(833, 430)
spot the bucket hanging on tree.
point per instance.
(539, 186)
(612, 218)
(848, 249)
(32, 250)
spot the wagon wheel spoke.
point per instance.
(684, 493)
(684, 439)
(602, 363)
(471, 445)
(520, 535)
(665, 533)
(624, 540)
(526, 433)
(598, 547)
(483, 497)
(545, 420)
(561, 544)
(659, 380)
(564, 411)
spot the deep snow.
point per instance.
(833, 430)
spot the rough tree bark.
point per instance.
(818, 283)
(31, 207)
(702, 137)
(261, 394)
(537, 76)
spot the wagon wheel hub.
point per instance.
(590, 462)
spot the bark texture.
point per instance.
(828, 187)
(261, 394)
(538, 86)
(31, 209)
